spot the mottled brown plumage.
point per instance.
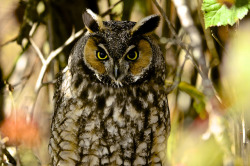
(110, 103)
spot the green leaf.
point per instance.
(216, 14)
(199, 98)
(242, 2)
(199, 107)
(191, 90)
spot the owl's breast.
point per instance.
(99, 125)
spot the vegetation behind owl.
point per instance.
(110, 103)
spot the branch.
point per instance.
(110, 8)
(196, 41)
(46, 62)
(8, 42)
(39, 53)
(171, 27)
(52, 55)
(5, 152)
(177, 78)
(73, 36)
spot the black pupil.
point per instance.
(102, 54)
(132, 54)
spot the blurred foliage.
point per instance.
(27, 157)
(1, 95)
(29, 18)
(20, 131)
(204, 131)
(199, 98)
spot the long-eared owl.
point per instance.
(111, 107)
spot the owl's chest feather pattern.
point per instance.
(98, 125)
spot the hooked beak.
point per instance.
(116, 72)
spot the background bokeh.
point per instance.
(205, 130)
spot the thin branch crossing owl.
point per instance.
(111, 107)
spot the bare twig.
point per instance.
(110, 8)
(218, 41)
(196, 43)
(177, 41)
(177, 78)
(9, 156)
(188, 24)
(39, 53)
(8, 42)
(46, 62)
(50, 82)
(52, 55)
(171, 27)
(197, 51)
(4, 151)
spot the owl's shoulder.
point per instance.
(57, 85)
(62, 87)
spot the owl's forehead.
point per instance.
(119, 26)
(118, 32)
(116, 36)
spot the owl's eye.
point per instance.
(132, 55)
(101, 55)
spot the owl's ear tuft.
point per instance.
(92, 21)
(146, 25)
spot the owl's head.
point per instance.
(119, 53)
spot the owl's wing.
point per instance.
(61, 147)
(57, 95)
(61, 77)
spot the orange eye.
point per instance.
(132, 55)
(101, 55)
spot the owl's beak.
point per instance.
(116, 72)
